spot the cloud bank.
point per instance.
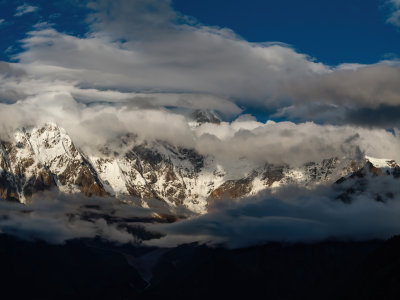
(95, 118)
(291, 215)
(56, 218)
(143, 66)
(145, 53)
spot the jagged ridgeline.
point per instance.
(45, 157)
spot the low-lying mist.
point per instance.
(290, 214)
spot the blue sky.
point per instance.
(332, 32)
(65, 16)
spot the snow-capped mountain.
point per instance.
(148, 173)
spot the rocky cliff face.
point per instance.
(45, 157)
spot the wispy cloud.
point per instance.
(25, 9)
(394, 17)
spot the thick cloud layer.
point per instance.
(294, 144)
(95, 117)
(196, 60)
(148, 55)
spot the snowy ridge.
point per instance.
(380, 162)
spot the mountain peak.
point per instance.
(205, 116)
(381, 162)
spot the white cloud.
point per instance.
(25, 9)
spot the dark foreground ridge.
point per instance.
(93, 269)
